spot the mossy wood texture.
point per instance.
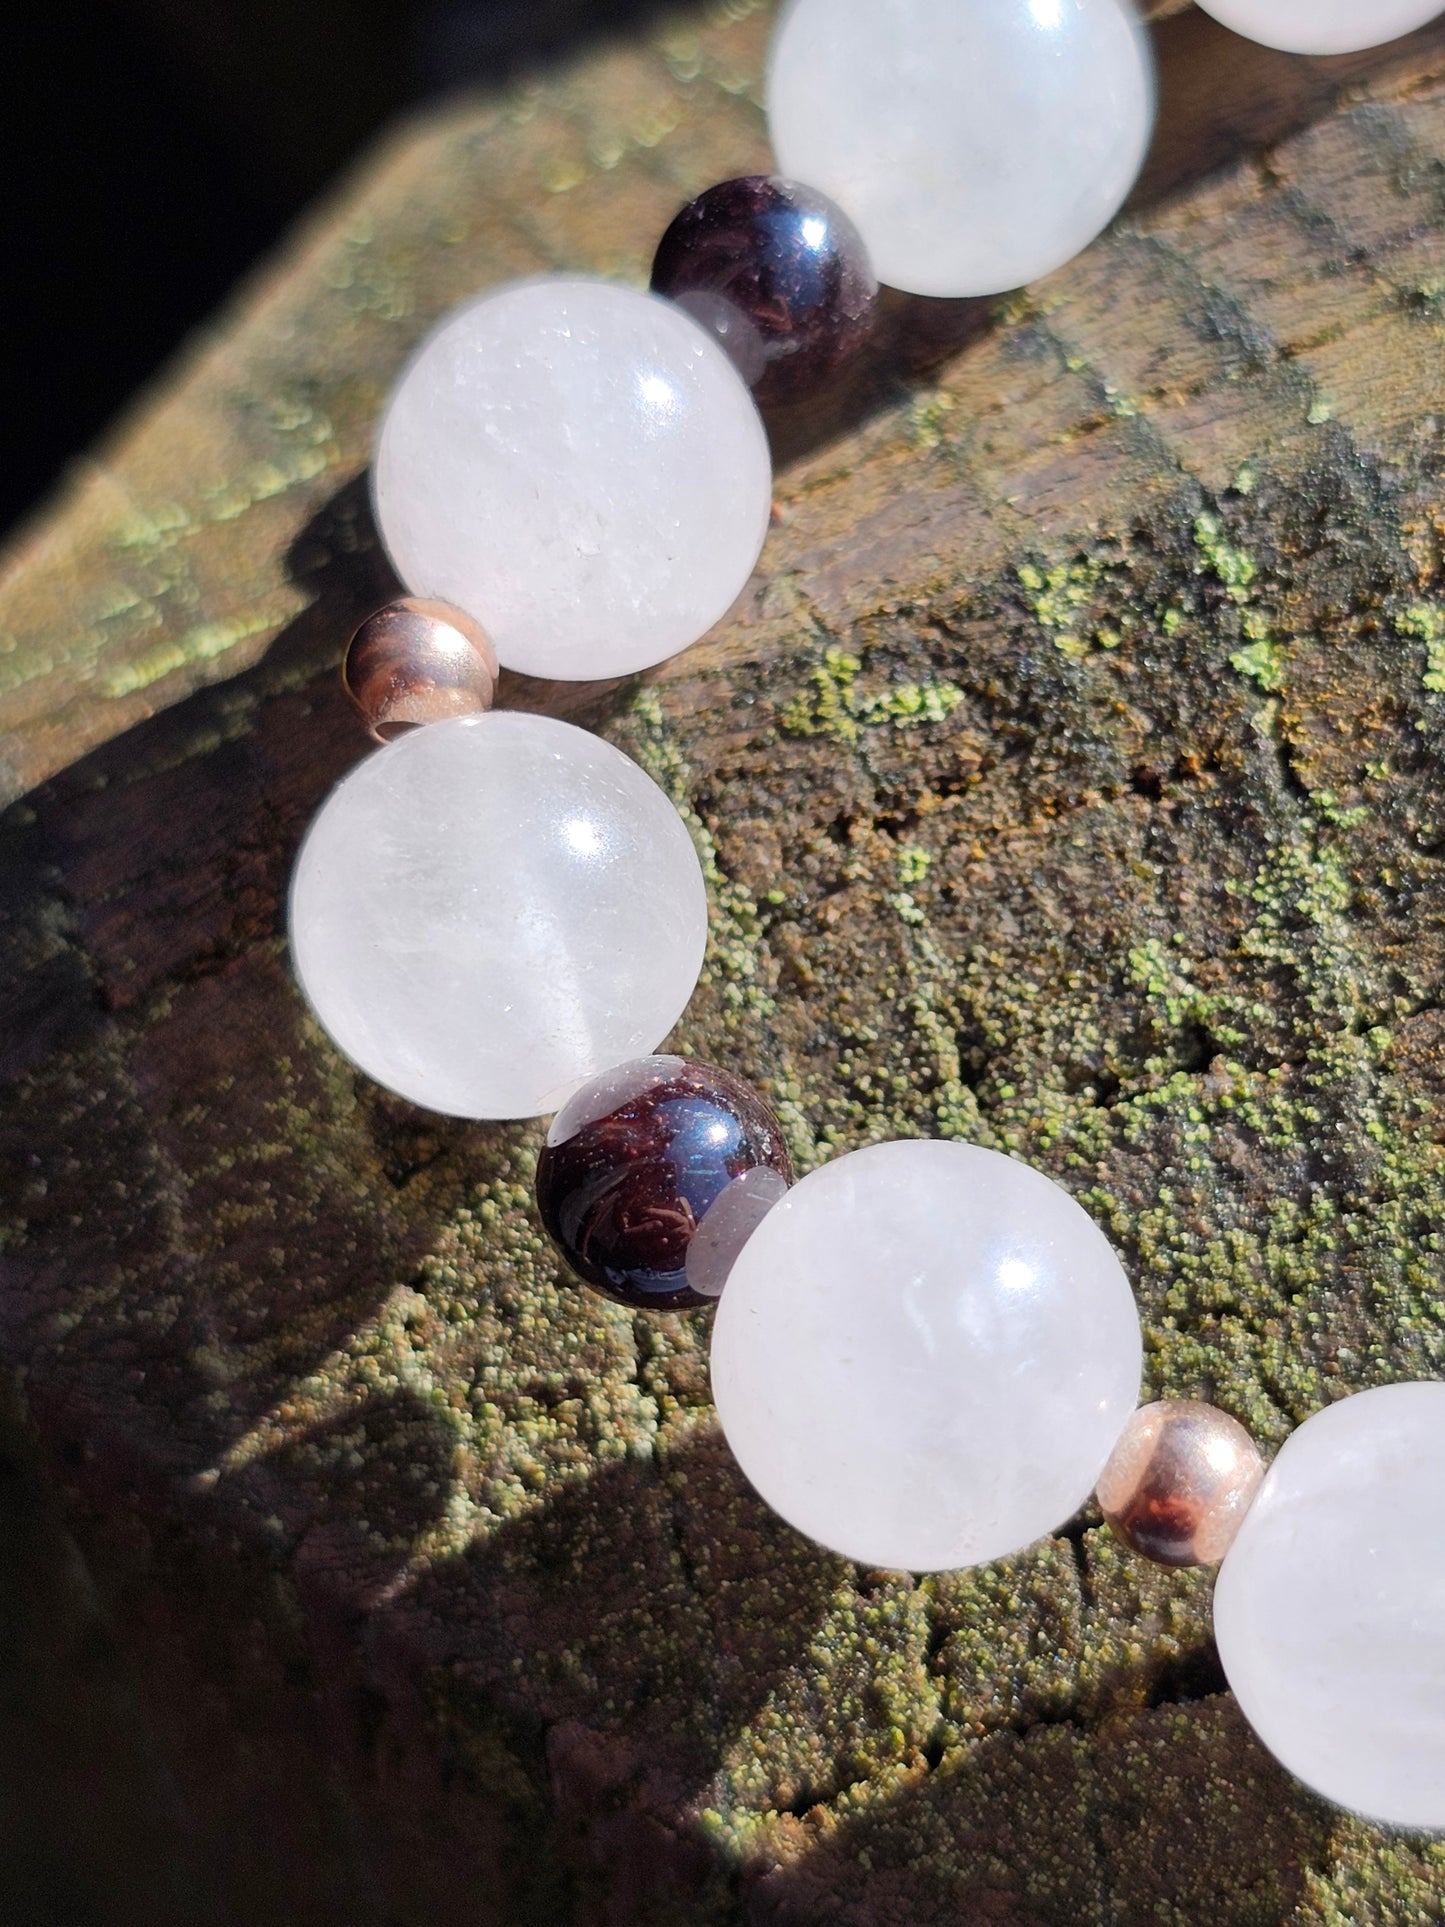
(1068, 781)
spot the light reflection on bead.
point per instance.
(727, 1224)
(637, 1165)
(416, 662)
(1179, 1482)
(779, 274)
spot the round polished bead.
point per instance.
(489, 910)
(1179, 1482)
(416, 662)
(1329, 1609)
(924, 1355)
(1322, 26)
(637, 1165)
(580, 467)
(977, 144)
(779, 274)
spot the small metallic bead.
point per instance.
(1179, 1482)
(416, 662)
(779, 274)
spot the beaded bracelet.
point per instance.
(926, 1355)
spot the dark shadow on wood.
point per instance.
(1222, 98)
(154, 1045)
(1179, 1815)
(93, 1825)
(494, 1739)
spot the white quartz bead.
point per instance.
(925, 1355)
(489, 910)
(977, 144)
(1322, 26)
(581, 468)
(727, 1224)
(1329, 1610)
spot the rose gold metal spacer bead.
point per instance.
(1179, 1482)
(415, 662)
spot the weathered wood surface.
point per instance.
(1068, 780)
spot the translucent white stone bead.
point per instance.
(727, 1224)
(1322, 26)
(581, 468)
(1329, 1610)
(976, 144)
(489, 910)
(924, 1355)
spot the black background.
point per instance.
(153, 148)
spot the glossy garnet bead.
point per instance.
(779, 274)
(635, 1162)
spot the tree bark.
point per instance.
(1068, 780)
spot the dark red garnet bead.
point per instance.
(779, 274)
(635, 1160)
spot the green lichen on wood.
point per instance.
(836, 703)
(1111, 925)
(1095, 821)
(1232, 566)
(1426, 622)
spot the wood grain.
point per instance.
(1068, 779)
